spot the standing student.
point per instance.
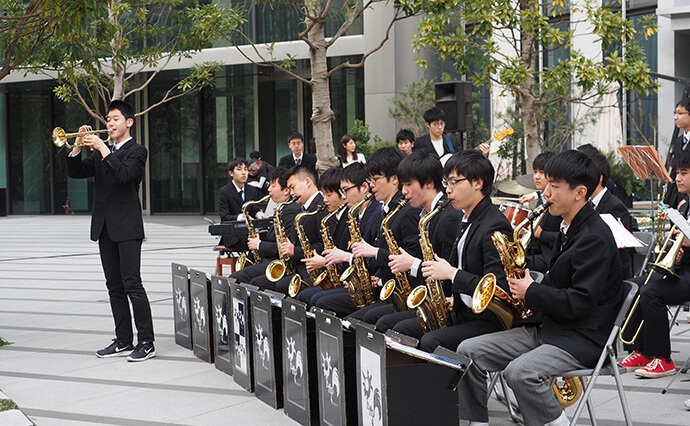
(117, 225)
(405, 141)
(435, 142)
(232, 196)
(298, 156)
(347, 152)
(681, 117)
(578, 298)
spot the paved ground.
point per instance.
(53, 307)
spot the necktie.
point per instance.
(114, 148)
(242, 194)
(564, 239)
(298, 161)
(685, 142)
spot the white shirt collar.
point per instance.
(119, 144)
(598, 197)
(308, 203)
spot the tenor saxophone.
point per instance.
(330, 278)
(399, 288)
(297, 285)
(243, 260)
(280, 267)
(488, 294)
(356, 276)
(429, 300)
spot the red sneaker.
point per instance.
(657, 368)
(634, 361)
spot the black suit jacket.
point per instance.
(423, 143)
(268, 249)
(230, 206)
(582, 292)
(609, 203)
(116, 190)
(673, 197)
(308, 160)
(479, 254)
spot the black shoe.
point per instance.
(142, 352)
(115, 349)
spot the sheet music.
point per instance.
(677, 219)
(624, 238)
(426, 356)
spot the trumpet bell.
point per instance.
(59, 137)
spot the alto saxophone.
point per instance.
(243, 260)
(331, 276)
(429, 300)
(356, 276)
(397, 293)
(296, 285)
(280, 267)
(488, 294)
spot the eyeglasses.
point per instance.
(439, 123)
(450, 183)
(374, 180)
(680, 112)
(343, 191)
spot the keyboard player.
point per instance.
(231, 197)
(266, 243)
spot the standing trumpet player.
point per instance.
(651, 357)
(578, 298)
(117, 225)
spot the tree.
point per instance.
(118, 49)
(498, 42)
(25, 25)
(315, 14)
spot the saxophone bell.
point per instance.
(296, 284)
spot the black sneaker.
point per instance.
(142, 352)
(115, 349)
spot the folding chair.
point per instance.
(641, 256)
(607, 354)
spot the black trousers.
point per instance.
(121, 265)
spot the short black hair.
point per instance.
(575, 168)
(423, 167)
(681, 160)
(236, 162)
(255, 155)
(295, 135)
(404, 134)
(541, 159)
(330, 180)
(124, 107)
(603, 166)
(434, 114)
(588, 149)
(302, 172)
(384, 161)
(279, 174)
(355, 173)
(473, 165)
(685, 103)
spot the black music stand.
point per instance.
(300, 365)
(202, 334)
(222, 344)
(337, 378)
(395, 380)
(181, 306)
(240, 330)
(266, 331)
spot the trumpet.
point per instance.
(60, 137)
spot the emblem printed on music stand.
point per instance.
(240, 335)
(331, 378)
(263, 346)
(295, 362)
(370, 368)
(222, 323)
(199, 315)
(181, 304)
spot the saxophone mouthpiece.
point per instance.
(538, 211)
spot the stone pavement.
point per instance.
(54, 309)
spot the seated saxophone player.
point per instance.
(421, 175)
(329, 181)
(268, 248)
(544, 236)
(468, 179)
(231, 197)
(302, 183)
(578, 299)
(354, 187)
(651, 357)
(401, 225)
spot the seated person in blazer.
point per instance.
(329, 181)
(266, 244)
(298, 155)
(578, 300)
(468, 178)
(301, 180)
(421, 176)
(354, 186)
(231, 197)
(435, 142)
